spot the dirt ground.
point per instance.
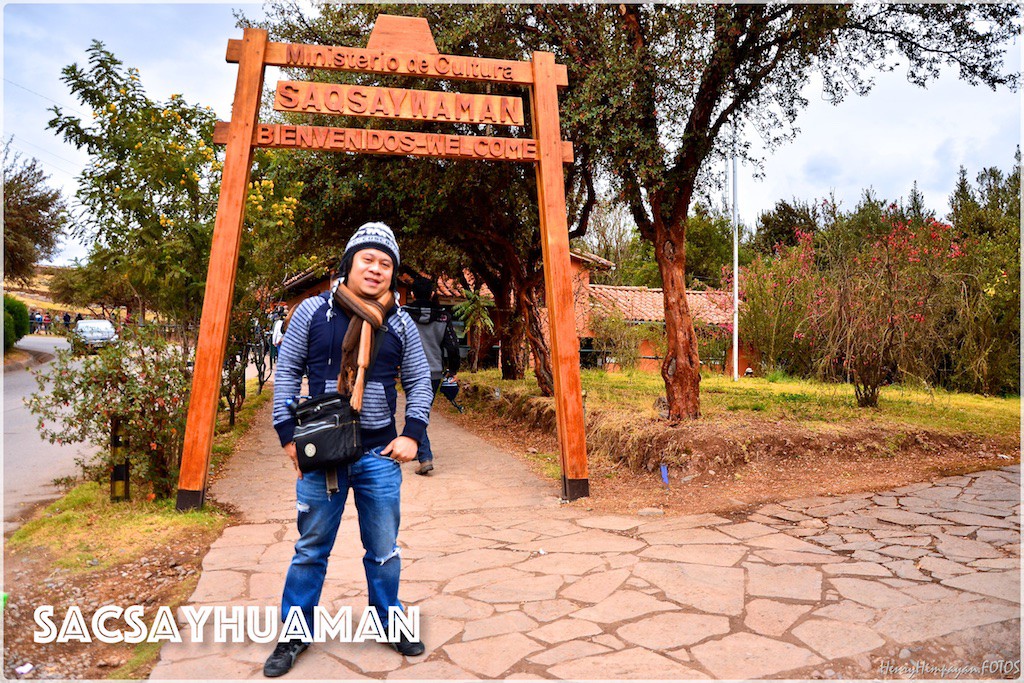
(167, 575)
(792, 462)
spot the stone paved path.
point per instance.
(512, 585)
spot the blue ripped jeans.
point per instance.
(376, 483)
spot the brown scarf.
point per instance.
(357, 347)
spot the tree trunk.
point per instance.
(681, 367)
(513, 342)
(476, 338)
(529, 303)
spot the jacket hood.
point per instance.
(425, 312)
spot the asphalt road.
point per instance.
(30, 463)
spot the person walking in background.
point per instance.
(277, 333)
(46, 323)
(437, 333)
(67, 321)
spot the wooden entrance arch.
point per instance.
(400, 46)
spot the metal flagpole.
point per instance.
(735, 270)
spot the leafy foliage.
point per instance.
(888, 293)
(883, 313)
(141, 383)
(149, 188)
(19, 315)
(9, 336)
(780, 226)
(778, 296)
(475, 313)
(652, 90)
(35, 216)
(985, 356)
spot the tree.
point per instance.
(483, 213)
(475, 314)
(885, 304)
(149, 188)
(35, 216)
(693, 72)
(653, 88)
(984, 349)
(779, 226)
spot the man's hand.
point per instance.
(289, 450)
(402, 449)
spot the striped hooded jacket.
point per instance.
(312, 347)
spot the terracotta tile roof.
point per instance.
(450, 288)
(594, 260)
(314, 272)
(641, 304)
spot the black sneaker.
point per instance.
(425, 468)
(283, 659)
(409, 648)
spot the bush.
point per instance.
(616, 340)
(779, 296)
(8, 332)
(887, 314)
(19, 313)
(142, 384)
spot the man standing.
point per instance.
(441, 346)
(321, 343)
(276, 333)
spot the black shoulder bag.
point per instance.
(327, 428)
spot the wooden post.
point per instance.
(220, 279)
(554, 235)
(120, 475)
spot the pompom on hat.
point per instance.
(373, 236)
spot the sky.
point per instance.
(886, 140)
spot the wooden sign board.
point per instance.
(398, 63)
(396, 103)
(397, 46)
(369, 141)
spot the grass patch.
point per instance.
(547, 463)
(808, 402)
(85, 531)
(143, 655)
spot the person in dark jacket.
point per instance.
(437, 333)
(316, 344)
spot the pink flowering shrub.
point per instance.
(886, 303)
(142, 383)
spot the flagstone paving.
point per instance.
(511, 584)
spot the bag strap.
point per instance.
(331, 475)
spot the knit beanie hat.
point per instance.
(373, 236)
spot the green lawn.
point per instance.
(804, 401)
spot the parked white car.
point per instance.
(90, 335)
